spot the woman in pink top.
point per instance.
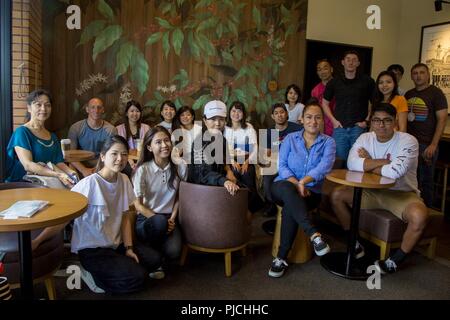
(133, 128)
(325, 74)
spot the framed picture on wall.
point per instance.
(435, 53)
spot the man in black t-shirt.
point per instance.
(427, 117)
(352, 92)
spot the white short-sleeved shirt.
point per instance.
(242, 139)
(100, 225)
(152, 183)
(188, 139)
(167, 125)
(295, 113)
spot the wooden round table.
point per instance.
(64, 205)
(78, 155)
(343, 263)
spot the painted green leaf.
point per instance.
(227, 56)
(285, 12)
(256, 17)
(179, 103)
(92, 30)
(139, 70)
(203, 3)
(291, 29)
(164, 23)
(158, 96)
(237, 52)
(123, 58)
(219, 30)
(154, 38)
(177, 40)
(233, 28)
(207, 24)
(200, 102)
(240, 95)
(105, 39)
(180, 2)
(242, 72)
(182, 78)
(105, 10)
(111, 55)
(195, 49)
(151, 103)
(166, 7)
(165, 43)
(251, 88)
(226, 92)
(206, 45)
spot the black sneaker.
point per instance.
(278, 267)
(320, 247)
(386, 266)
(359, 250)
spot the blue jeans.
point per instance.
(425, 175)
(345, 138)
(153, 232)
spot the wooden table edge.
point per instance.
(360, 184)
(43, 224)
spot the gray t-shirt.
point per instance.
(85, 138)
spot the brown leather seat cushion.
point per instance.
(46, 258)
(211, 218)
(378, 222)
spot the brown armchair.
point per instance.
(47, 258)
(212, 220)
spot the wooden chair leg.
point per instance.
(384, 250)
(244, 251)
(50, 286)
(431, 250)
(228, 264)
(184, 253)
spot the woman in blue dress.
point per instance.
(32, 146)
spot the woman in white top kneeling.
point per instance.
(102, 236)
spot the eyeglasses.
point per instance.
(386, 121)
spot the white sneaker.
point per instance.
(89, 281)
(158, 274)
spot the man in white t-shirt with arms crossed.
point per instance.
(392, 154)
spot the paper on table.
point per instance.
(25, 209)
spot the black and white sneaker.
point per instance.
(386, 266)
(158, 274)
(359, 250)
(321, 248)
(277, 268)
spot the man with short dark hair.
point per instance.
(352, 92)
(90, 134)
(391, 154)
(426, 121)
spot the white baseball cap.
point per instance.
(215, 108)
